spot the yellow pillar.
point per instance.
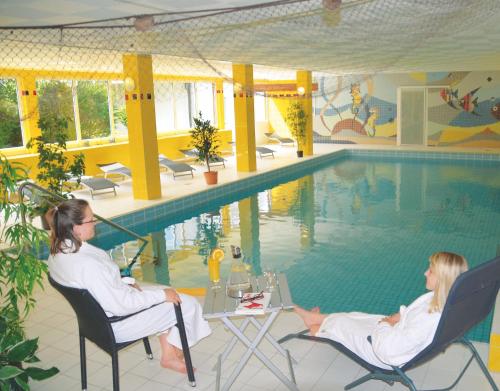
(219, 102)
(141, 121)
(306, 196)
(249, 230)
(244, 117)
(494, 356)
(29, 107)
(304, 81)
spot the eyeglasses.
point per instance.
(93, 221)
(252, 298)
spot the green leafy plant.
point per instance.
(53, 164)
(20, 272)
(296, 119)
(205, 139)
(15, 353)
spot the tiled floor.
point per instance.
(319, 367)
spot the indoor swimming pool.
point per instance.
(353, 235)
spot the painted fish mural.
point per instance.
(495, 111)
(449, 96)
(468, 104)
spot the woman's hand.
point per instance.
(393, 319)
(172, 296)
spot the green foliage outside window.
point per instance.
(10, 126)
(55, 100)
(93, 108)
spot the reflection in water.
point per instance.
(365, 226)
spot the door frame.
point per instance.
(425, 113)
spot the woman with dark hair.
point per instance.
(397, 338)
(75, 263)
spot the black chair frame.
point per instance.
(95, 325)
(470, 300)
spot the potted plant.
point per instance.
(205, 141)
(296, 119)
(20, 272)
(53, 165)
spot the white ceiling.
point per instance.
(22, 13)
(362, 36)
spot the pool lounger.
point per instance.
(281, 140)
(263, 152)
(97, 184)
(215, 160)
(177, 168)
(471, 298)
(115, 168)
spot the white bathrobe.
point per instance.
(91, 268)
(391, 345)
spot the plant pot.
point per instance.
(210, 177)
(300, 153)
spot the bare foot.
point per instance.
(174, 364)
(310, 318)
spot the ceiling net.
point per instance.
(335, 37)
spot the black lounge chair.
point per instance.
(95, 185)
(115, 168)
(177, 168)
(282, 140)
(96, 326)
(263, 152)
(215, 160)
(470, 300)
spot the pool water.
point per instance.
(355, 235)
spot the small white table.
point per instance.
(220, 306)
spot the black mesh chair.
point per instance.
(95, 325)
(470, 300)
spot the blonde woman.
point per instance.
(397, 338)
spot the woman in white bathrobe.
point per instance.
(75, 263)
(397, 338)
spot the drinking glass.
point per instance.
(214, 261)
(270, 278)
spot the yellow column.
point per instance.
(244, 117)
(306, 196)
(29, 107)
(304, 81)
(219, 101)
(141, 123)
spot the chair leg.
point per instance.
(185, 346)
(480, 362)
(83, 363)
(147, 346)
(116, 372)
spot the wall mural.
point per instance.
(363, 109)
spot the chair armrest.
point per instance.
(114, 319)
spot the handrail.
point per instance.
(124, 272)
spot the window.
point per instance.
(117, 105)
(229, 107)
(55, 103)
(183, 96)
(93, 108)
(164, 106)
(10, 125)
(205, 100)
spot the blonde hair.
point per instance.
(446, 267)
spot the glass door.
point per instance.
(412, 116)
